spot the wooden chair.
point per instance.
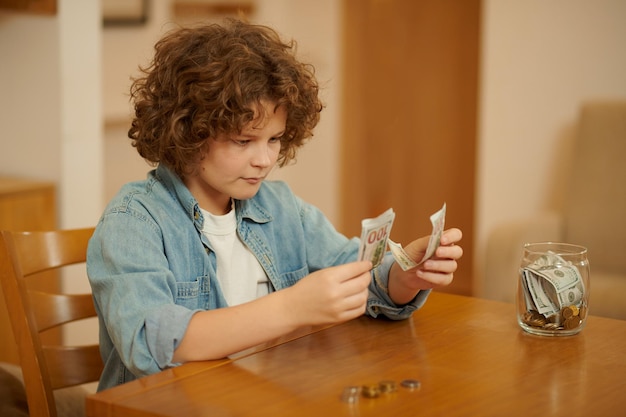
(46, 368)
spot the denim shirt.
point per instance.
(151, 268)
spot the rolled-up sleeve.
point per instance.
(379, 301)
(134, 292)
(164, 332)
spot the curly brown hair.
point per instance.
(208, 80)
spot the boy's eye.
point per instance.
(244, 142)
(241, 142)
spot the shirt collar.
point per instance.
(252, 209)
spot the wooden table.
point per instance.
(469, 355)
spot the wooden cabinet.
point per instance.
(24, 205)
(409, 118)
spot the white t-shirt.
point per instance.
(239, 273)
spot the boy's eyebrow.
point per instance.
(251, 134)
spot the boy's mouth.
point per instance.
(253, 180)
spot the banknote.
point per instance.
(438, 221)
(401, 257)
(374, 235)
(373, 248)
(540, 301)
(552, 284)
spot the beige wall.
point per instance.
(314, 24)
(50, 104)
(29, 96)
(540, 60)
(50, 113)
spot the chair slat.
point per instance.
(32, 311)
(47, 250)
(56, 309)
(73, 365)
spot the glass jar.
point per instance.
(553, 289)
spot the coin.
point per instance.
(370, 391)
(350, 394)
(534, 318)
(387, 386)
(527, 316)
(572, 323)
(411, 384)
(569, 311)
(537, 322)
(551, 326)
(554, 318)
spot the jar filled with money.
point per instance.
(553, 289)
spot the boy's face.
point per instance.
(236, 164)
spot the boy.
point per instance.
(204, 258)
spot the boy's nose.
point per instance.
(263, 156)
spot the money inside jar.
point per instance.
(554, 294)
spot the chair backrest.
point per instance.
(596, 197)
(46, 367)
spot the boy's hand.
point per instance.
(331, 295)
(435, 272)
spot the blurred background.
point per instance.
(473, 103)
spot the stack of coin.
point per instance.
(571, 317)
(534, 319)
(370, 391)
(411, 384)
(387, 386)
(568, 318)
(569, 312)
(351, 394)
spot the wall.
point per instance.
(50, 104)
(29, 82)
(314, 24)
(50, 113)
(540, 61)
